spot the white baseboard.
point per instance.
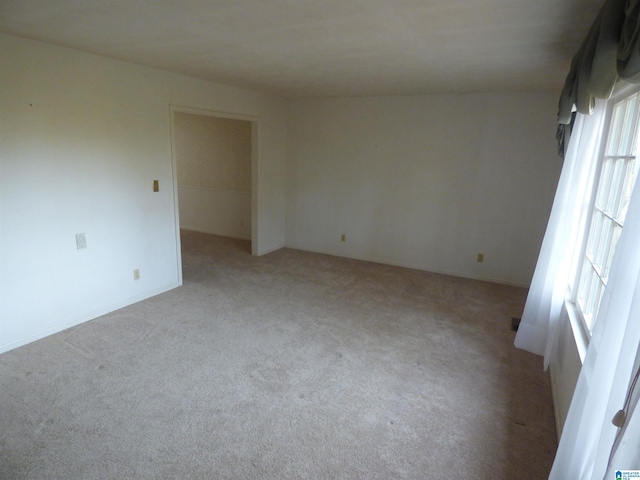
(413, 266)
(209, 232)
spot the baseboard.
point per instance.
(413, 266)
(85, 318)
(268, 251)
(220, 234)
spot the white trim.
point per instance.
(176, 209)
(255, 187)
(623, 89)
(267, 252)
(201, 230)
(214, 113)
(580, 335)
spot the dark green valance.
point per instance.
(611, 51)
(594, 68)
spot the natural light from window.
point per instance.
(618, 170)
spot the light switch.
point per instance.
(156, 186)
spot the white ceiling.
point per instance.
(311, 48)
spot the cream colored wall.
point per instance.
(213, 157)
(83, 137)
(425, 181)
(213, 152)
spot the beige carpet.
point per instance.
(288, 366)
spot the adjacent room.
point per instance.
(296, 239)
(213, 156)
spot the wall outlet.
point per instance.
(480, 258)
(136, 274)
(343, 237)
(156, 186)
(81, 241)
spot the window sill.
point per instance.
(579, 335)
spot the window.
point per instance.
(618, 169)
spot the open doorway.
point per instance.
(214, 162)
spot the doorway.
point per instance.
(215, 166)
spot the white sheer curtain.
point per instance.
(589, 436)
(591, 447)
(538, 327)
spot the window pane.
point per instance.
(606, 174)
(594, 295)
(595, 234)
(594, 303)
(603, 245)
(627, 190)
(617, 230)
(616, 183)
(615, 130)
(628, 129)
(585, 285)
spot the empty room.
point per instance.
(319, 239)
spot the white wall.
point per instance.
(425, 181)
(421, 181)
(211, 210)
(83, 137)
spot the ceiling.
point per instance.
(325, 48)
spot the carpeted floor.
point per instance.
(289, 366)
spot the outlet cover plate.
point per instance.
(81, 241)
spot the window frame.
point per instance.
(622, 91)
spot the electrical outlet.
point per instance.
(136, 274)
(343, 237)
(480, 258)
(81, 241)
(156, 186)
